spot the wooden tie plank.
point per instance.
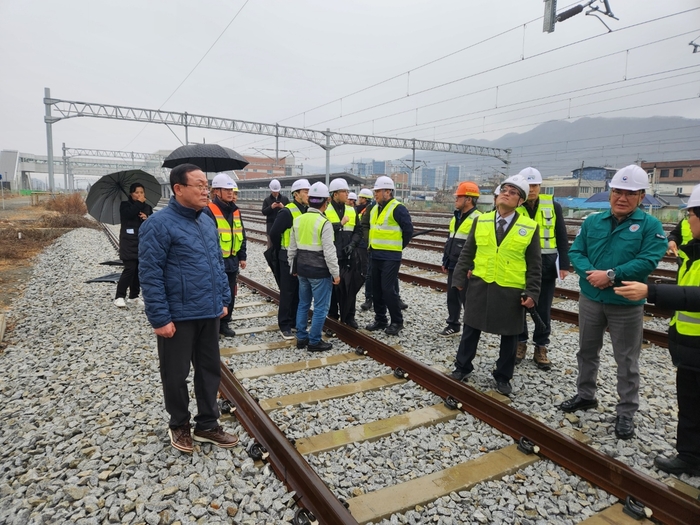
(256, 329)
(2, 327)
(245, 349)
(247, 305)
(289, 368)
(376, 429)
(613, 515)
(253, 316)
(382, 503)
(333, 392)
(683, 487)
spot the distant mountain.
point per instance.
(558, 147)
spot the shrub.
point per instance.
(69, 204)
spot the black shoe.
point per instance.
(376, 325)
(677, 466)
(301, 343)
(578, 403)
(367, 305)
(226, 331)
(624, 427)
(448, 331)
(504, 387)
(402, 305)
(458, 375)
(393, 329)
(287, 334)
(352, 324)
(321, 346)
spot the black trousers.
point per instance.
(688, 393)
(232, 277)
(544, 309)
(195, 342)
(129, 279)
(506, 358)
(289, 297)
(369, 291)
(455, 301)
(385, 276)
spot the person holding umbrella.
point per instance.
(223, 210)
(272, 205)
(279, 236)
(132, 212)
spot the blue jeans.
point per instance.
(320, 291)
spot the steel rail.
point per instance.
(668, 505)
(291, 468)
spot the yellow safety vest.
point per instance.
(332, 216)
(546, 220)
(464, 228)
(505, 264)
(307, 231)
(686, 237)
(296, 212)
(384, 232)
(688, 323)
(230, 235)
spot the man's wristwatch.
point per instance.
(611, 275)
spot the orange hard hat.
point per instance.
(469, 189)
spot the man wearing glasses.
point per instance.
(186, 292)
(619, 244)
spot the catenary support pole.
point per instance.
(49, 136)
(65, 168)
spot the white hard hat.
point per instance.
(630, 178)
(517, 181)
(338, 184)
(275, 185)
(222, 180)
(694, 199)
(352, 196)
(301, 184)
(318, 190)
(366, 193)
(532, 175)
(384, 183)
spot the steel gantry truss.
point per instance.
(327, 140)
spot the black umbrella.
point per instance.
(209, 157)
(271, 256)
(107, 194)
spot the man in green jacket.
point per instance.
(621, 244)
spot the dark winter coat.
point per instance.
(490, 307)
(269, 212)
(283, 222)
(453, 246)
(685, 349)
(180, 267)
(130, 223)
(231, 264)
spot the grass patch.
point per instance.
(67, 204)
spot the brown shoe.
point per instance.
(520, 353)
(181, 438)
(540, 359)
(217, 436)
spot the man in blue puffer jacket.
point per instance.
(186, 292)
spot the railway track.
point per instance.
(532, 440)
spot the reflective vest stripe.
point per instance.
(332, 216)
(688, 323)
(546, 218)
(464, 228)
(296, 212)
(505, 264)
(384, 232)
(230, 235)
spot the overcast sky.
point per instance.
(478, 70)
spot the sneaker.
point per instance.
(217, 436)
(287, 334)
(321, 346)
(119, 302)
(503, 387)
(226, 331)
(394, 329)
(376, 325)
(402, 305)
(521, 352)
(367, 305)
(181, 438)
(448, 331)
(136, 301)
